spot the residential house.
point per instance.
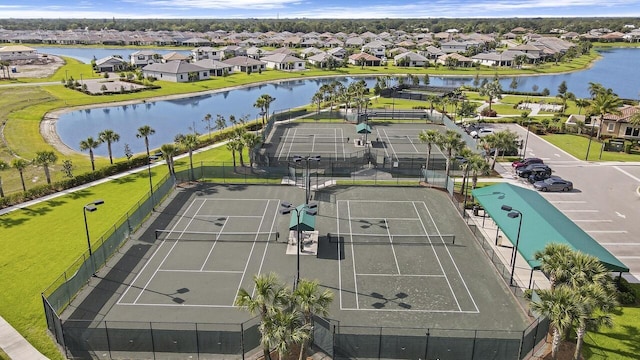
(410, 59)
(461, 61)
(111, 64)
(619, 125)
(245, 64)
(310, 51)
(231, 51)
(176, 71)
(215, 67)
(376, 48)
(17, 52)
(449, 47)
(364, 59)
(143, 58)
(354, 42)
(333, 43)
(196, 42)
(206, 52)
(632, 36)
(283, 62)
(431, 52)
(338, 52)
(322, 60)
(175, 56)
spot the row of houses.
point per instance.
(617, 126)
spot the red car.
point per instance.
(520, 163)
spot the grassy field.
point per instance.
(577, 146)
(617, 343)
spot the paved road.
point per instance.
(605, 202)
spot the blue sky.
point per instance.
(316, 8)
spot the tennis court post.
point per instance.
(307, 180)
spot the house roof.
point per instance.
(280, 58)
(212, 64)
(243, 60)
(110, 59)
(13, 48)
(541, 224)
(174, 67)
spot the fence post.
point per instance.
(242, 339)
(153, 345)
(473, 349)
(106, 332)
(380, 343)
(426, 345)
(197, 342)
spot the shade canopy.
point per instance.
(307, 221)
(542, 224)
(363, 128)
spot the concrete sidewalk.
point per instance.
(15, 345)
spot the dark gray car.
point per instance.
(553, 184)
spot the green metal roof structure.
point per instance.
(542, 223)
(307, 221)
(363, 128)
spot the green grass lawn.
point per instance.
(620, 342)
(577, 146)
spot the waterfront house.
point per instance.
(619, 125)
(17, 52)
(245, 64)
(176, 71)
(111, 64)
(283, 62)
(215, 67)
(143, 58)
(206, 52)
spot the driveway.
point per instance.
(605, 202)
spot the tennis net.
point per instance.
(219, 236)
(447, 239)
(315, 139)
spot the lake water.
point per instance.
(617, 70)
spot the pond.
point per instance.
(616, 70)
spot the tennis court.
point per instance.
(339, 141)
(396, 257)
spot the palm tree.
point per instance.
(429, 137)
(498, 142)
(189, 142)
(559, 305)
(308, 298)
(251, 140)
(634, 120)
(143, 133)
(493, 90)
(90, 144)
(595, 303)
(207, 120)
(478, 166)
(451, 143)
(232, 145)
(269, 294)
(605, 102)
(260, 104)
(581, 104)
(3, 166)
(282, 329)
(168, 152)
(267, 104)
(317, 100)
(20, 165)
(109, 136)
(220, 123)
(554, 262)
(44, 159)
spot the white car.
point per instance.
(481, 133)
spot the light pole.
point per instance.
(524, 150)
(90, 207)
(465, 183)
(513, 213)
(286, 208)
(307, 185)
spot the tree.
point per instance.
(89, 144)
(308, 298)
(426, 80)
(493, 90)
(189, 142)
(109, 136)
(251, 140)
(168, 152)
(498, 142)
(232, 145)
(67, 168)
(283, 328)
(3, 166)
(267, 105)
(207, 120)
(478, 166)
(20, 165)
(269, 293)
(143, 133)
(260, 104)
(429, 137)
(317, 100)
(221, 123)
(558, 305)
(514, 83)
(581, 104)
(604, 103)
(44, 159)
(554, 262)
(127, 152)
(451, 143)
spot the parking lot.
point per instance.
(605, 201)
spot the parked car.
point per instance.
(525, 171)
(539, 175)
(480, 133)
(524, 162)
(553, 184)
(472, 127)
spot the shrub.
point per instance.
(488, 113)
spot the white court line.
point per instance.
(412, 144)
(295, 134)
(353, 255)
(153, 255)
(344, 151)
(453, 261)
(436, 255)
(264, 253)
(235, 216)
(226, 221)
(313, 143)
(248, 261)
(415, 310)
(392, 218)
(392, 248)
(390, 144)
(284, 142)
(164, 259)
(384, 144)
(399, 275)
(181, 305)
(620, 244)
(202, 271)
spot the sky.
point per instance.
(328, 9)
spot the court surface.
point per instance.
(397, 257)
(340, 140)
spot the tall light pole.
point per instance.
(286, 208)
(513, 213)
(526, 139)
(90, 207)
(307, 185)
